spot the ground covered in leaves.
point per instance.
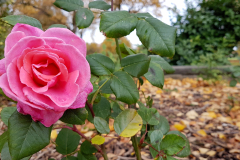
(207, 113)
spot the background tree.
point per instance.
(212, 29)
(4, 28)
(43, 10)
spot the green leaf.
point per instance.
(69, 5)
(6, 113)
(69, 158)
(163, 123)
(233, 83)
(156, 137)
(26, 137)
(82, 156)
(75, 116)
(116, 110)
(14, 19)
(147, 114)
(3, 139)
(124, 87)
(102, 109)
(153, 152)
(84, 18)
(5, 154)
(87, 148)
(106, 87)
(172, 144)
(143, 15)
(99, 140)
(155, 75)
(170, 158)
(128, 123)
(93, 78)
(156, 36)
(117, 24)
(164, 64)
(136, 65)
(67, 141)
(100, 65)
(187, 150)
(101, 125)
(57, 26)
(99, 5)
(125, 50)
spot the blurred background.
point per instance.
(208, 30)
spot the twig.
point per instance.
(203, 108)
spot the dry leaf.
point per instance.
(192, 114)
(179, 126)
(202, 133)
(203, 150)
(211, 153)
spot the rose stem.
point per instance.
(118, 49)
(90, 108)
(136, 147)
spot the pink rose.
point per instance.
(46, 72)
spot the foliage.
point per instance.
(211, 29)
(4, 28)
(43, 10)
(26, 136)
(235, 72)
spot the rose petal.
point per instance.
(14, 81)
(46, 117)
(27, 79)
(63, 94)
(27, 29)
(52, 41)
(2, 66)
(39, 99)
(76, 62)
(82, 97)
(5, 87)
(68, 37)
(27, 42)
(8, 92)
(11, 40)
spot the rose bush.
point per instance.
(45, 72)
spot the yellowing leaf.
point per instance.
(179, 126)
(98, 140)
(128, 123)
(54, 134)
(202, 133)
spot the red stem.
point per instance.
(74, 129)
(91, 109)
(143, 137)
